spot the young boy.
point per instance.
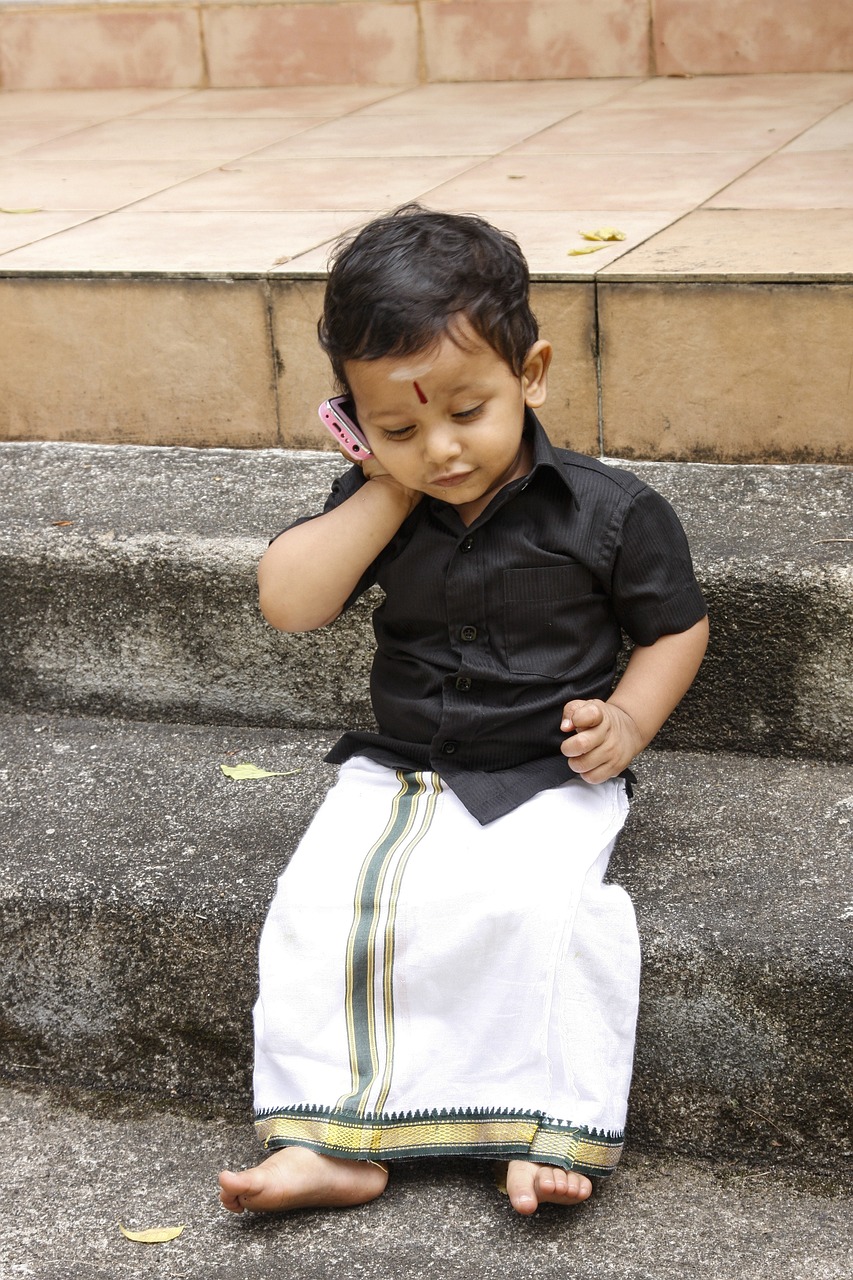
(443, 970)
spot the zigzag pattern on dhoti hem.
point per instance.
(478, 1132)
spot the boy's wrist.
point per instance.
(633, 738)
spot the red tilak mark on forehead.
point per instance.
(421, 395)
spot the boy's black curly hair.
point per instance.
(408, 277)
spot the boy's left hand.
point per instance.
(605, 740)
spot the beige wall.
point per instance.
(680, 373)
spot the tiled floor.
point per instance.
(162, 253)
(737, 175)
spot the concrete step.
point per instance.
(137, 876)
(77, 1164)
(127, 586)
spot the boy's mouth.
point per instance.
(451, 479)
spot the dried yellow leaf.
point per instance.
(603, 233)
(242, 772)
(587, 248)
(154, 1235)
(20, 210)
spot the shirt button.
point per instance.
(449, 747)
(467, 543)
(468, 634)
(463, 684)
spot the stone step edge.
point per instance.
(110, 558)
(129, 937)
(659, 1215)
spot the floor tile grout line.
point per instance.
(841, 106)
(738, 178)
(816, 124)
(97, 215)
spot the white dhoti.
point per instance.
(430, 986)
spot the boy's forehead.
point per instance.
(457, 354)
(405, 372)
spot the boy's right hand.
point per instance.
(372, 469)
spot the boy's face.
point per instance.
(448, 422)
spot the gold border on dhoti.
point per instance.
(493, 1136)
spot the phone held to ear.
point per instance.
(338, 416)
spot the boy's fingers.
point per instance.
(578, 745)
(569, 712)
(598, 775)
(595, 765)
(582, 714)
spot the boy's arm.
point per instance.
(309, 572)
(609, 734)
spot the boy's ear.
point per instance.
(534, 375)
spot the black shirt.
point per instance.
(487, 630)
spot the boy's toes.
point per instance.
(520, 1186)
(231, 1187)
(569, 1188)
(529, 1185)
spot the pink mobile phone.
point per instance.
(338, 416)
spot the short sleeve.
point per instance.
(343, 487)
(654, 588)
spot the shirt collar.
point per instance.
(544, 453)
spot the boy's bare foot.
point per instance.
(296, 1178)
(529, 1185)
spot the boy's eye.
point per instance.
(467, 414)
(401, 433)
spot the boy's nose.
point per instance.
(441, 445)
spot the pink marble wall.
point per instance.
(231, 43)
(285, 44)
(719, 37)
(534, 39)
(47, 48)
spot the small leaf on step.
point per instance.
(20, 210)
(154, 1235)
(603, 233)
(242, 772)
(587, 248)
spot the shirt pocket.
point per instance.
(548, 614)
